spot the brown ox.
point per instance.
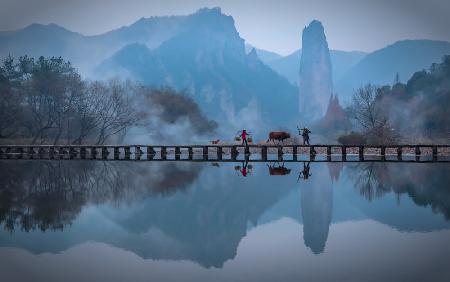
(278, 170)
(278, 135)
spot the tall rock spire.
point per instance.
(315, 79)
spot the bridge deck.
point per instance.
(227, 152)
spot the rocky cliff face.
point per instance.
(208, 60)
(315, 80)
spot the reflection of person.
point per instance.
(243, 170)
(305, 173)
(244, 137)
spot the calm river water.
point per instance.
(184, 221)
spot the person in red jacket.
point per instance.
(244, 135)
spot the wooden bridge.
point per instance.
(232, 152)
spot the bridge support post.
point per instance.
(435, 153)
(93, 152)
(116, 153)
(280, 153)
(177, 153)
(294, 153)
(105, 152)
(312, 153)
(127, 152)
(205, 153)
(234, 152)
(399, 152)
(19, 152)
(190, 153)
(344, 153)
(417, 151)
(361, 153)
(82, 152)
(163, 153)
(383, 153)
(219, 153)
(137, 152)
(150, 152)
(264, 153)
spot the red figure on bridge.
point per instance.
(244, 137)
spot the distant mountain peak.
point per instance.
(206, 10)
(50, 26)
(315, 24)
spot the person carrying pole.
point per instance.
(305, 135)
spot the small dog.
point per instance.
(215, 142)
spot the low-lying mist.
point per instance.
(169, 117)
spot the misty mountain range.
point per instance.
(204, 55)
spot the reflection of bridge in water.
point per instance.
(232, 153)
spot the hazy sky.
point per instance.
(274, 25)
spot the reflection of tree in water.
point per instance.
(48, 195)
(426, 184)
(207, 223)
(370, 179)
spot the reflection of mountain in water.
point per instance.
(317, 204)
(192, 211)
(206, 222)
(335, 170)
(211, 218)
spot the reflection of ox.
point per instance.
(278, 170)
(278, 135)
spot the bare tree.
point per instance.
(48, 100)
(367, 110)
(115, 113)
